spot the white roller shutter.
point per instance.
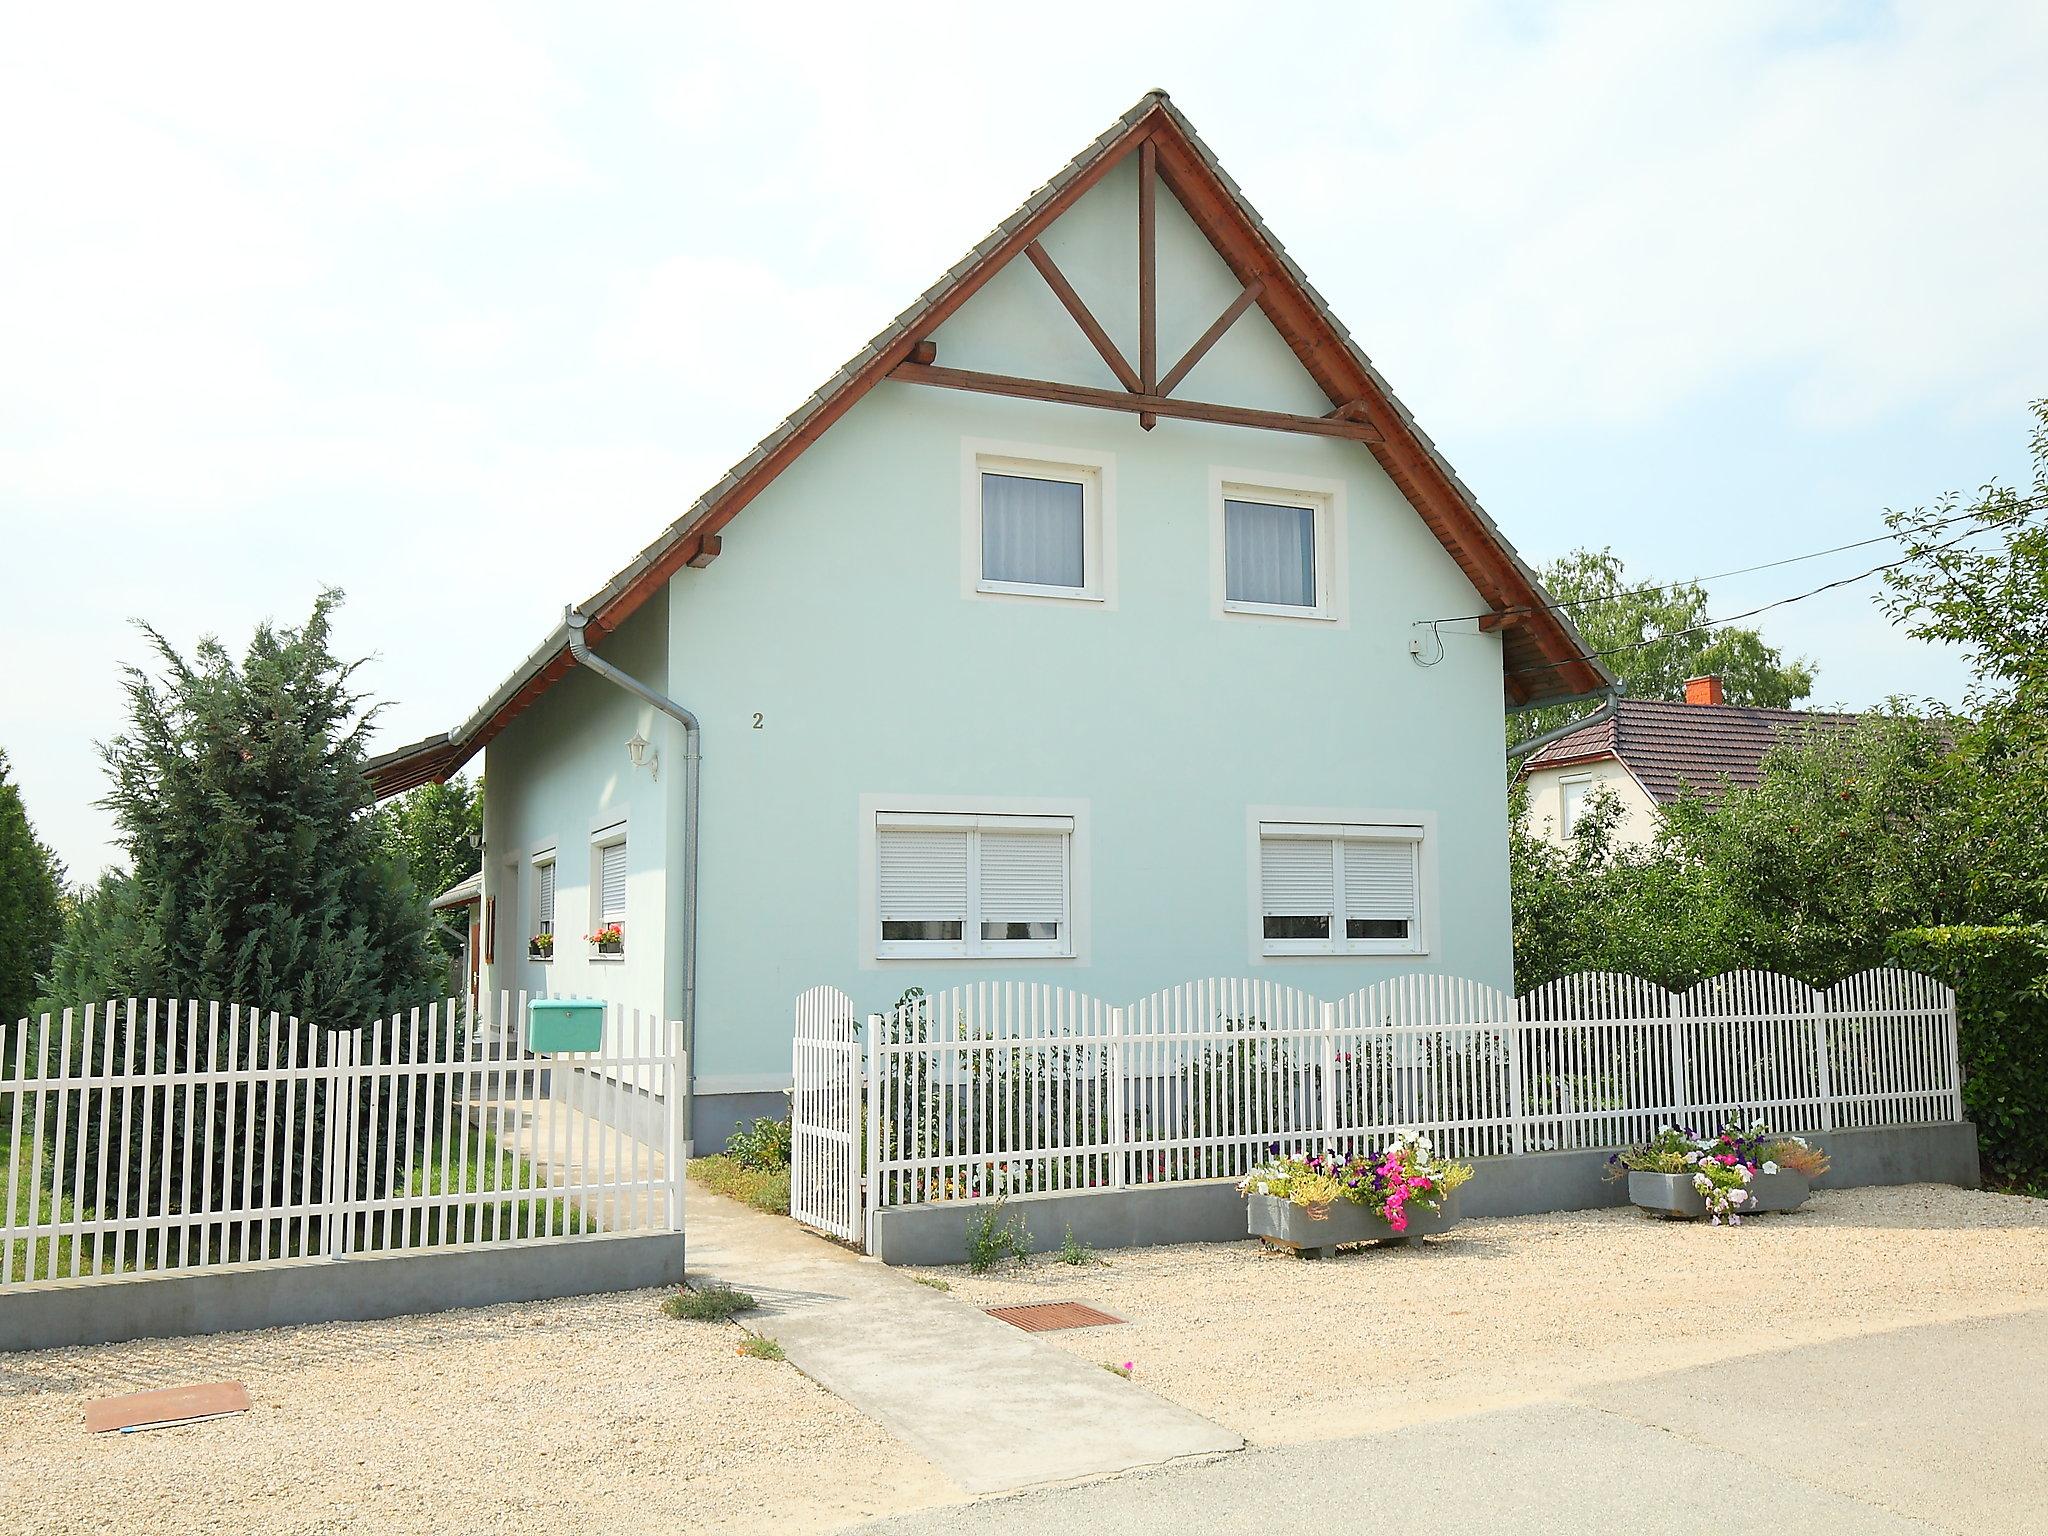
(611, 883)
(1379, 879)
(1023, 877)
(544, 897)
(923, 874)
(1297, 877)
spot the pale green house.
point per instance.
(1084, 628)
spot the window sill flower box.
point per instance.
(1287, 1225)
(609, 940)
(541, 947)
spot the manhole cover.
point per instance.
(1046, 1316)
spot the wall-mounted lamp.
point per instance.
(636, 749)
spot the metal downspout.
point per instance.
(692, 761)
(1523, 748)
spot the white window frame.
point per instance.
(610, 836)
(1565, 785)
(983, 813)
(540, 858)
(1094, 472)
(1325, 497)
(1314, 822)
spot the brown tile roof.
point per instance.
(1668, 745)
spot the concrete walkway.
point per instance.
(992, 1407)
(1920, 1431)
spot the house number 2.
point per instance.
(757, 719)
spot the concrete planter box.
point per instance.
(1671, 1195)
(1781, 1191)
(1287, 1224)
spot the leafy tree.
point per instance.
(436, 830)
(31, 904)
(1991, 601)
(257, 877)
(1650, 632)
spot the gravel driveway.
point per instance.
(589, 1414)
(1529, 1308)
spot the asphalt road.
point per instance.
(1934, 1429)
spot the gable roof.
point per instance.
(1671, 746)
(1544, 660)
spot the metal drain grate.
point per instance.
(1048, 1316)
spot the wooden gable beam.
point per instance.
(708, 547)
(1148, 279)
(1056, 280)
(1211, 336)
(771, 464)
(1143, 405)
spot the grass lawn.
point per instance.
(490, 1167)
(439, 1171)
(724, 1175)
(31, 1204)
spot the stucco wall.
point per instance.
(556, 775)
(1638, 824)
(832, 654)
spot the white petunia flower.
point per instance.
(1770, 1167)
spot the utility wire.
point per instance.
(2018, 510)
(1706, 624)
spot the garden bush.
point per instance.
(762, 1146)
(2000, 976)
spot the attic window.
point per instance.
(1275, 546)
(1037, 527)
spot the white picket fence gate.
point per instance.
(1019, 1088)
(142, 1136)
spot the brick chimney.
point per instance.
(1703, 690)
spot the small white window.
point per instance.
(1037, 527)
(608, 898)
(1274, 547)
(541, 946)
(1328, 890)
(1571, 795)
(972, 884)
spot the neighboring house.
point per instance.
(1079, 630)
(463, 902)
(1648, 752)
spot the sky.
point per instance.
(386, 298)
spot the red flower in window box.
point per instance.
(610, 939)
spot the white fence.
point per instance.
(147, 1136)
(1018, 1088)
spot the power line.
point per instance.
(2018, 510)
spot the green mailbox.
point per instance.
(557, 1024)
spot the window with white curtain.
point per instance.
(1269, 554)
(1274, 546)
(972, 884)
(1339, 889)
(1040, 527)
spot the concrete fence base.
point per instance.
(1213, 1211)
(50, 1314)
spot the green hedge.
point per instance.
(2001, 981)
